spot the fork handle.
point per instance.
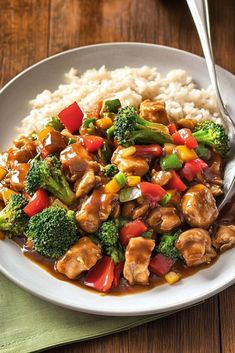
(200, 14)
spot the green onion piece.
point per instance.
(148, 234)
(128, 194)
(33, 136)
(202, 151)
(110, 132)
(56, 124)
(106, 152)
(170, 162)
(112, 106)
(87, 122)
(120, 179)
(165, 199)
(71, 141)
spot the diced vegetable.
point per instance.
(120, 178)
(131, 230)
(99, 107)
(168, 148)
(3, 173)
(133, 180)
(112, 187)
(172, 277)
(176, 183)
(101, 276)
(175, 196)
(153, 192)
(160, 264)
(117, 274)
(191, 168)
(202, 151)
(104, 123)
(72, 140)
(71, 117)
(170, 162)
(38, 202)
(111, 106)
(88, 122)
(42, 134)
(106, 152)
(172, 128)
(185, 154)
(184, 137)
(127, 152)
(110, 132)
(166, 199)
(148, 150)
(55, 124)
(92, 143)
(128, 194)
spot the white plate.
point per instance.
(47, 74)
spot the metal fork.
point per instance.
(200, 13)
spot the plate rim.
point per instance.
(180, 304)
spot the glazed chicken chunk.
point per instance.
(164, 219)
(137, 259)
(154, 111)
(195, 247)
(131, 164)
(199, 206)
(225, 237)
(81, 257)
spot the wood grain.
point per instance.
(33, 29)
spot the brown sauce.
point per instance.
(227, 215)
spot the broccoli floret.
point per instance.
(167, 245)
(107, 236)
(47, 174)
(52, 231)
(129, 128)
(212, 134)
(110, 170)
(12, 217)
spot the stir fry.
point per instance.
(118, 193)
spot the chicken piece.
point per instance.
(154, 111)
(128, 208)
(224, 238)
(17, 176)
(199, 206)
(164, 219)
(160, 177)
(137, 259)
(131, 165)
(54, 142)
(81, 257)
(187, 123)
(195, 246)
(22, 154)
(139, 211)
(87, 182)
(95, 210)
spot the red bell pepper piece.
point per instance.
(37, 203)
(172, 128)
(148, 150)
(100, 276)
(160, 264)
(131, 230)
(191, 168)
(117, 274)
(92, 143)
(184, 137)
(176, 183)
(153, 192)
(71, 117)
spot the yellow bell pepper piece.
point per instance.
(6, 194)
(133, 180)
(185, 154)
(172, 277)
(112, 187)
(104, 123)
(127, 152)
(3, 173)
(44, 132)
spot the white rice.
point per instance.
(131, 85)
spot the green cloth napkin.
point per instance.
(29, 324)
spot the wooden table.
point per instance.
(31, 30)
